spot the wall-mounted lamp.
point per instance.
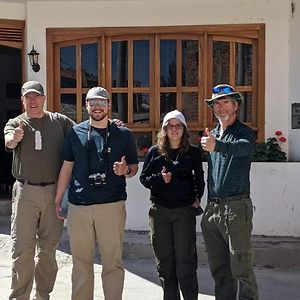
(34, 60)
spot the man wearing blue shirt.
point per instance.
(227, 221)
(98, 157)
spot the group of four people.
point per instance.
(92, 161)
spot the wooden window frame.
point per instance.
(205, 33)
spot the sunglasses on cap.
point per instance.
(99, 102)
(223, 89)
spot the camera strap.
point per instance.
(100, 146)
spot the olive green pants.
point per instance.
(226, 229)
(173, 237)
(35, 232)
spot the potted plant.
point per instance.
(270, 150)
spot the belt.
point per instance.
(36, 183)
(219, 200)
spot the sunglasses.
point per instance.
(223, 89)
(176, 126)
(99, 102)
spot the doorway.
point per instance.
(10, 107)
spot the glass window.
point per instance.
(190, 63)
(85, 114)
(119, 62)
(89, 65)
(151, 71)
(120, 106)
(167, 103)
(68, 106)
(141, 63)
(168, 63)
(190, 106)
(195, 137)
(68, 67)
(141, 108)
(245, 109)
(243, 64)
(221, 55)
(143, 142)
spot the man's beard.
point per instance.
(98, 117)
(223, 118)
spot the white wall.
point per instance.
(275, 14)
(294, 79)
(12, 10)
(274, 192)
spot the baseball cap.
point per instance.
(174, 114)
(97, 92)
(224, 90)
(32, 86)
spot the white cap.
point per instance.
(174, 114)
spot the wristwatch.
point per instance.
(128, 171)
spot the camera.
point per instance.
(97, 180)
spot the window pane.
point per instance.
(243, 64)
(190, 106)
(68, 67)
(120, 107)
(195, 137)
(143, 142)
(141, 63)
(89, 65)
(119, 62)
(190, 63)
(167, 103)
(141, 108)
(68, 105)
(221, 62)
(168, 63)
(245, 109)
(85, 114)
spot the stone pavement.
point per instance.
(141, 283)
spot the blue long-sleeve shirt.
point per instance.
(229, 164)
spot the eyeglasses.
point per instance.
(176, 126)
(223, 89)
(100, 102)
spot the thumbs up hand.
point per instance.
(19, 132)
(208, 142)
(120, 167)
(167, 176)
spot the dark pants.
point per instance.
(173, 237)
(226, 229)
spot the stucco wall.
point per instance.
(276, 14)
(274, 192)
(294, 78)
(12, 10)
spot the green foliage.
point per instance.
(269, 151)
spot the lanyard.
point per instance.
(98, 145)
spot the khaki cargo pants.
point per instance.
(35, 232)
(103, 224)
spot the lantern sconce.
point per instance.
(34, 60)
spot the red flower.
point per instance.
(145, 150)
(282, 139)
(278, 132)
